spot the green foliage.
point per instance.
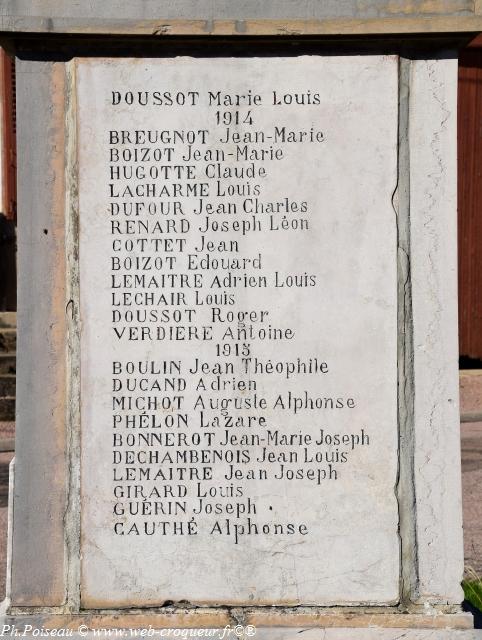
(472, 587)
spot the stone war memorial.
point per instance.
(237, 366)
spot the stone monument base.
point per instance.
(269, 623)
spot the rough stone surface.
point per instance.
(280, 17)
(40, 482)
(192, 9)
(433, 107)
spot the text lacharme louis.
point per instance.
(192, 215)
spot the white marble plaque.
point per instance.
(238, 330)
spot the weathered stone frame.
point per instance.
(250, 17)
(45, 563)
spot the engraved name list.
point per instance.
(238, 328)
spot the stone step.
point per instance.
(7, 363)
(7, 385)
(8, 340)
(8, 319)
(7, 409)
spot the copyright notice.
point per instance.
(83, 631)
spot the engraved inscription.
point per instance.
(238, 309)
